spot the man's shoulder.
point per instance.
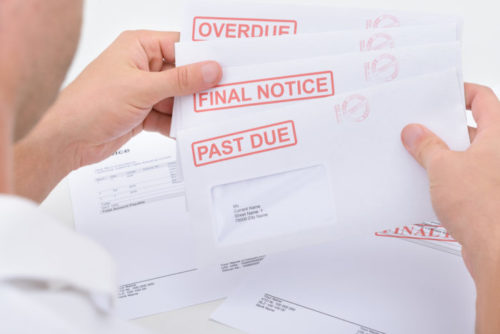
(35, 247)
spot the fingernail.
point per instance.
(411, 135)
(210, 72)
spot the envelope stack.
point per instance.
(299, 143)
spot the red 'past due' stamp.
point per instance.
(244, 143)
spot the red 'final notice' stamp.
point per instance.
(264, 91)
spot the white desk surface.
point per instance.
(104, 20)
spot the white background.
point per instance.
(104, 20)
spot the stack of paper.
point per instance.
(300, 142)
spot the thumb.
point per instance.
(183, 80)
(422, 144)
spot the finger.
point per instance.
(184, 80)
(165, 106)
(158, 122)
(483, 103)
(422, 144)
(166, 66)
(472, 133)
(162, 41)
(158, 46)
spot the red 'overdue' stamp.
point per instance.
(243, 143)
(264, 91)
(206, 28)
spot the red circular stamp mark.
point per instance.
(383, 68)
(355, 108)
(385, 21)
(379, 41)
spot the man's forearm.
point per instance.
(41, 160)
(488, 299)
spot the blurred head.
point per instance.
(38, 39)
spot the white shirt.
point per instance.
(52, 280)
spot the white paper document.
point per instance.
(209, 20)
(312, 172)
(133, 204)
(237, 52)
(246, 89)
(363, 285)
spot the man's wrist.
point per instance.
(488, 300)
(483, 260)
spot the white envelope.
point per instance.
(365, 285)
(316, 171)
(238, 52)
(226, 17)
(246, 89)
(208, 20)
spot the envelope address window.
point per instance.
(277, 204)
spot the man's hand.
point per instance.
(465, 191)
(127, 89)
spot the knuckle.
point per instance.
(183, 78)
(124, 35)
(429, 150)
(127, 34)
(487, 91)
(438, 158)
(422, 149)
